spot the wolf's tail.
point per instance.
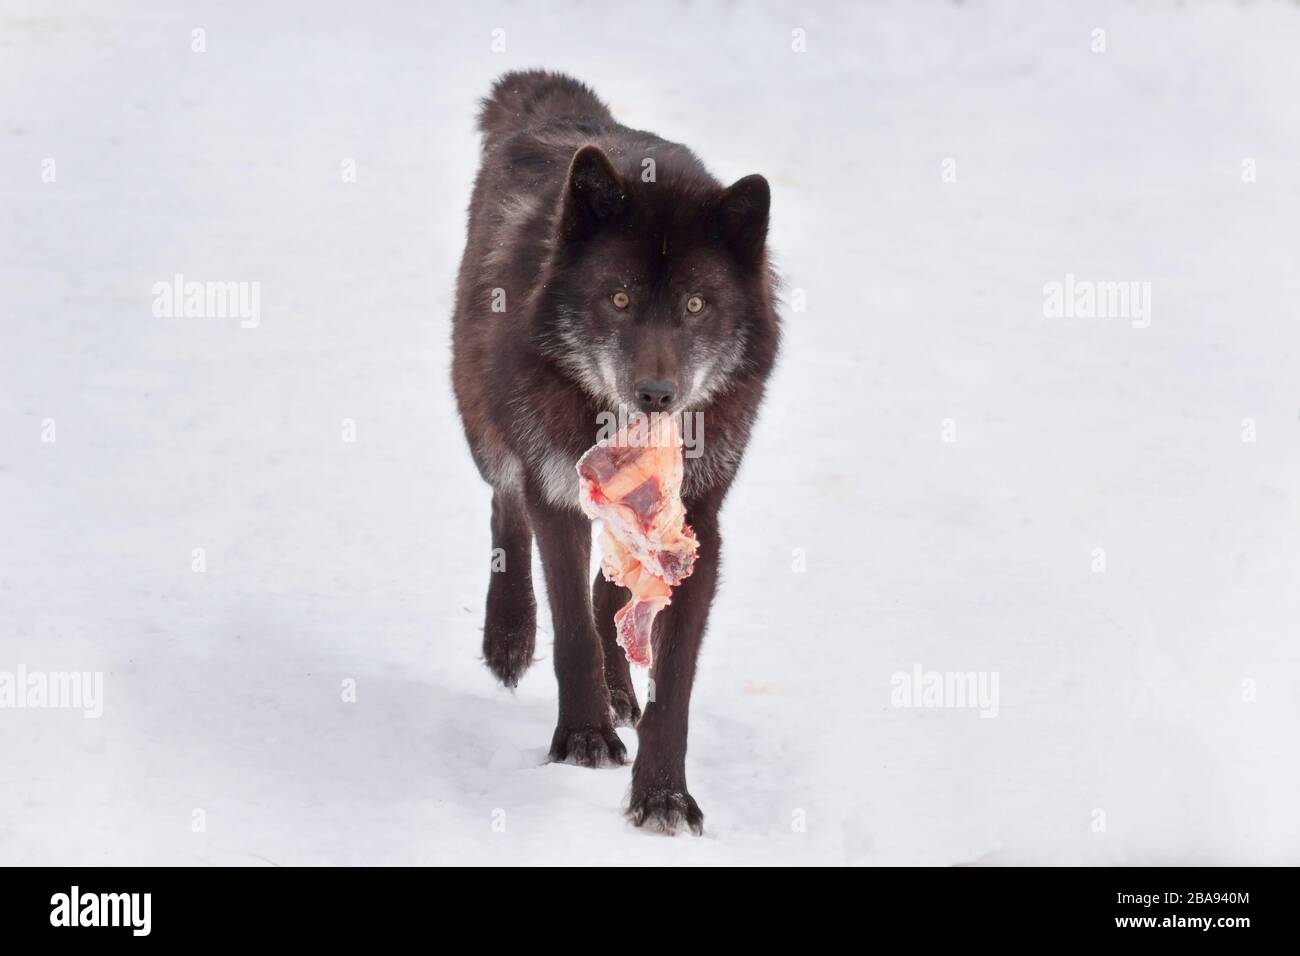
(528, 97)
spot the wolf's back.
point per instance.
(527, 98)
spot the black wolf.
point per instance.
(604, 267)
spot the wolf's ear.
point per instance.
(739, 219)
(593, 194)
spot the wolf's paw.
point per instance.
(588, 747)
(508, 652)
(667, 811)
(622, 703)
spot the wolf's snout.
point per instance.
(655, 396)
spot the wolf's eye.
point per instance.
(695, 305)
(620, 299)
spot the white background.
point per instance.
(1120, 692)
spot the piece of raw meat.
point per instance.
(632, 484)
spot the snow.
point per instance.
(1125, 696)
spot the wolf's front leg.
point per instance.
(659, 795)
(584, 733)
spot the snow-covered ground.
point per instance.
(943, 456)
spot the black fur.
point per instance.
(563, 216)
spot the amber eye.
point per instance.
(694, 305)
(620, 299)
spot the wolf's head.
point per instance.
(654, 287)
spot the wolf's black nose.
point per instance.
(654, 396)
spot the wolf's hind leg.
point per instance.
(606, 598)
(510, 627)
